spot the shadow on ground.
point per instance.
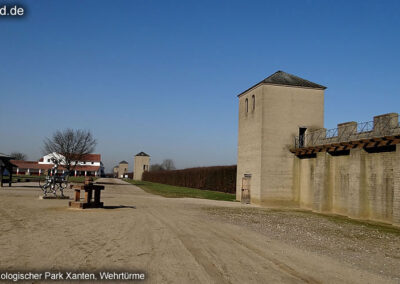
(23, 186)
(118, 207)
(110, 183)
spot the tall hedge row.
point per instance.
(219, 178)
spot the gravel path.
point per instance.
(368, 246)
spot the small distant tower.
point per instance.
(115, 171)
(141, 164)
(122, 169)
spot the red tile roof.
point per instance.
(87, 168)
(91, 158)
(86, 158)
(30, 165)
(36, 165)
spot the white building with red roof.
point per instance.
(90, 165)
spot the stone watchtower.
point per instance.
(141, 164)
(122, 169)
(271, 114)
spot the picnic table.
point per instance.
(92, 195)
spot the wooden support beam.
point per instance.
(348, 145)
(383, 143)
(326, 147)
(361, 145)
(371, 145)
(351, 146)
(395, 141)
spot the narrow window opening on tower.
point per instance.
(254, 102)
(302, 132)
(247, 105)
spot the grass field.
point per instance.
(177, 192)
(26, 178)
(79, 179)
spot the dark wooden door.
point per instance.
(245, 190)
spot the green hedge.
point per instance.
(219, 178)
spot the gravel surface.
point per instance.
(369, 246)
(174, 240)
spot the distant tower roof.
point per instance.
(123, 162)
(142, 154)
(286, 79)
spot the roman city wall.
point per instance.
(357, 174)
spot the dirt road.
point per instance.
(172, 240)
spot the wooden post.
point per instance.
(1, 176)
(10, 180)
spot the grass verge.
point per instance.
(27, 178)
(80, 179)
(177, 191)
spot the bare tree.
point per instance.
(18, 156)
(156, 167)
(168, 165)
(71, 144)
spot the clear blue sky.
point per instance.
(162, 76)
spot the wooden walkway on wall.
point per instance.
(369, 144)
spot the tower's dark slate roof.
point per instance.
(142, 154)
(123, 162)
(5, 156)
(5, 160)
(286, 79)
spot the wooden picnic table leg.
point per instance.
(77, 195)
(88, 196)
(97, 193)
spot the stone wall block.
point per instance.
(396, 187)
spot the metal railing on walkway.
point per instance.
(384, 125)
